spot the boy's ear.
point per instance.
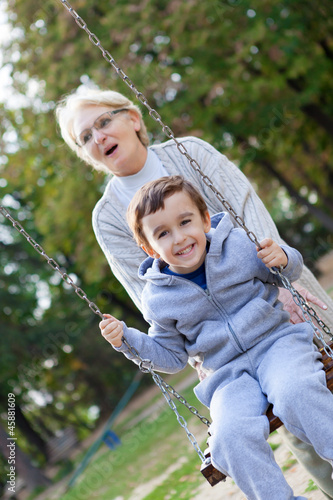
(207, 223)
(149, 251)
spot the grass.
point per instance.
(155, 460)
(184, 480)
(148, 450)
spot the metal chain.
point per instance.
(157, 117)
(162, 385)
(51, 262)
(301, 302)
(145, 366)
(307, 311)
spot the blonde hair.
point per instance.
(150, 198)
(70, 104)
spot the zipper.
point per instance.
(211, 299)
(209, 296)
(235, 336)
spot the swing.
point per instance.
(212, 475)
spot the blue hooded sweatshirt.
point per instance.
(239, 308)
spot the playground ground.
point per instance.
(294, 473)
(141, 406)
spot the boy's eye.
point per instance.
(163, 233)
(186, 221)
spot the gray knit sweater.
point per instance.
(123, 254)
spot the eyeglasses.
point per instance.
(101, 123)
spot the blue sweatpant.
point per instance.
(288, 374)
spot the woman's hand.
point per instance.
(293, 309)
(112, 330)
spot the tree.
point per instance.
(253, 78)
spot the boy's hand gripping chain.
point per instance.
(211, 474)
(145, 365)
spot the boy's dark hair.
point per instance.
(150, 198)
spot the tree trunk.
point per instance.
(313, 111)
(326, 48)
(327, 202)
(323, 218)
(32, 436)
(25, 427)
(322, 119)
(19, 464)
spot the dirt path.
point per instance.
(296, 477)
(295, 474)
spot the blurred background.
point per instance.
(253, 78)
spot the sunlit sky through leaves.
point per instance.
(4, 70)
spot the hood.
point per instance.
(222, 224)
(150, 268)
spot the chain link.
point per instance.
(146, 366)
(156, 116)
(164, 389)
(51, 262)
(309, 312)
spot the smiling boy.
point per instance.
(209, 295)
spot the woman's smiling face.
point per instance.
(116, 146)
(177, 233)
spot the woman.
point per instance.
(106, 130)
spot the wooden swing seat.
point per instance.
(213, 475)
